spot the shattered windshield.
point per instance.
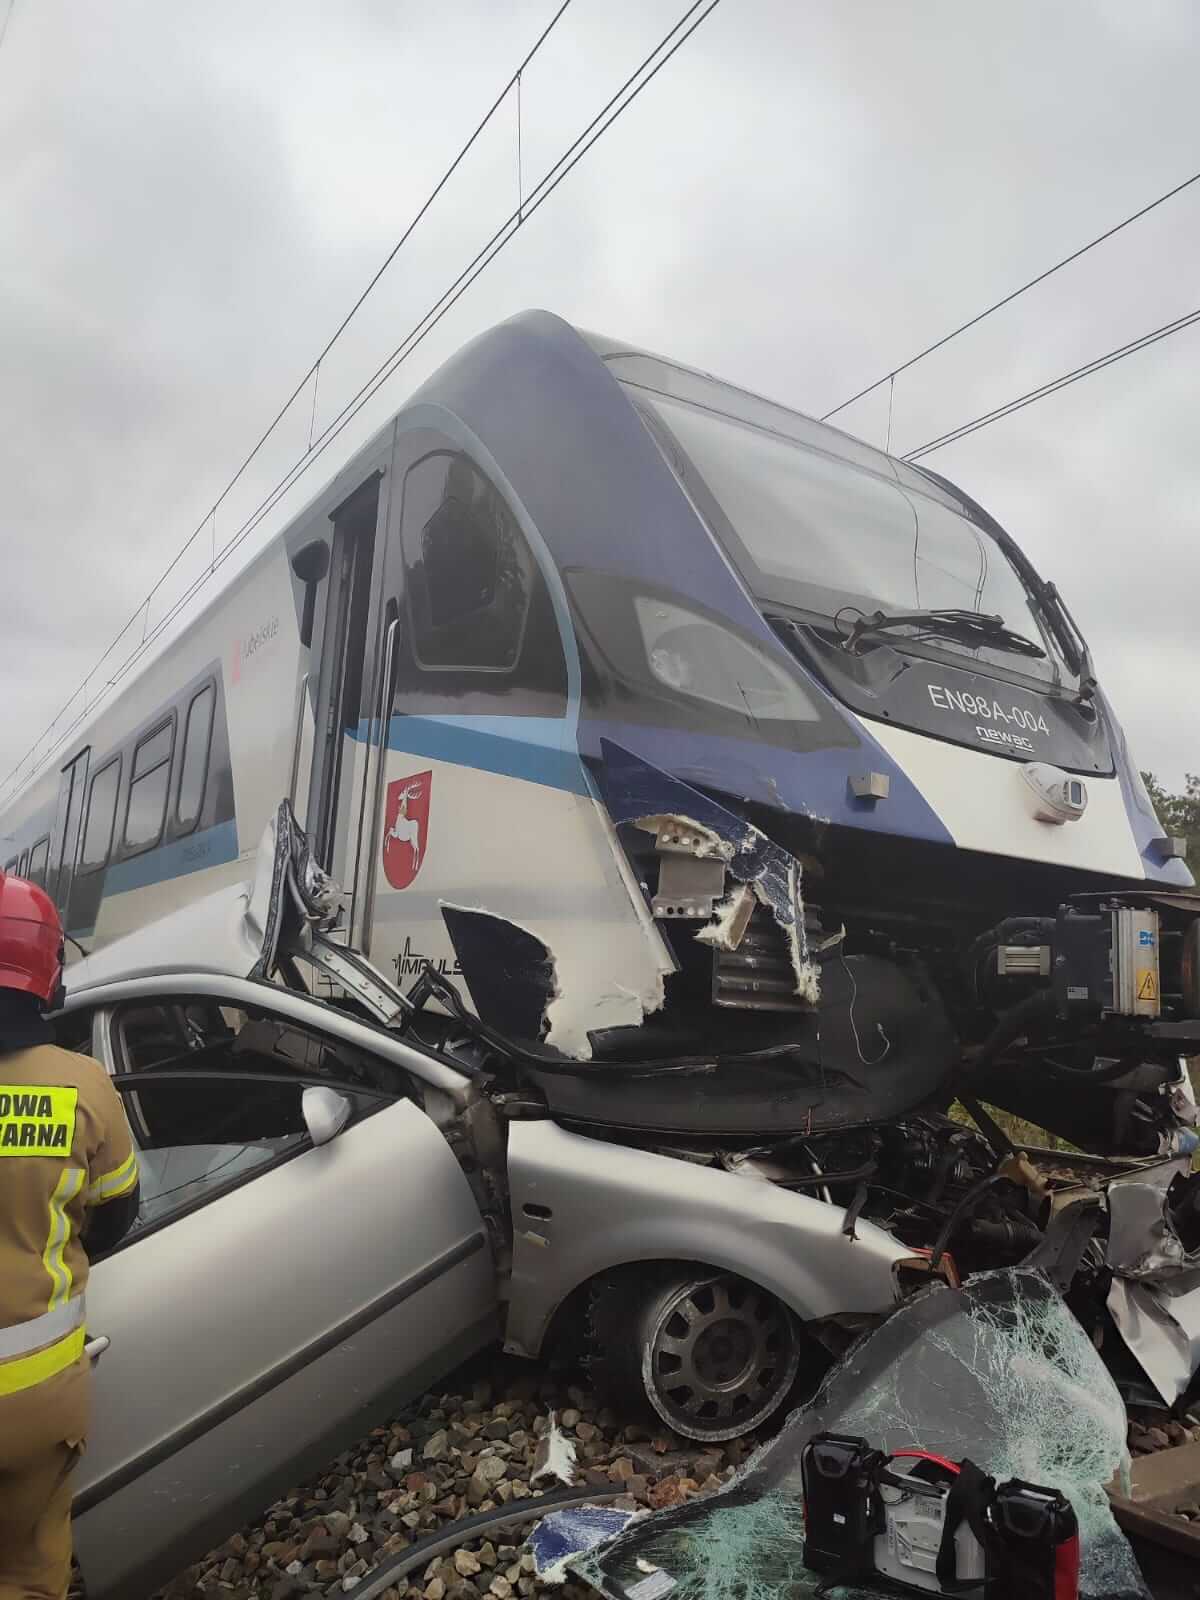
(827, 533)
(999, 1373)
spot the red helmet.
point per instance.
(31, 940)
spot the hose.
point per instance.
(962, 1210)
(465, 1529)
(1010, 1026)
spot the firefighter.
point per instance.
(68, 1187)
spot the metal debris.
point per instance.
(555, 1456)
(642, 795)
(562, 1535)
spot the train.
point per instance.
(680, 731)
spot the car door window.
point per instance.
(214, 1095)
(197, 1136)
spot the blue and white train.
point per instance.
(673, 726)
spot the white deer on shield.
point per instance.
(406, 829)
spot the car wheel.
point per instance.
(713, 1355)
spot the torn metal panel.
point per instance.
(1160, 1322)
(681, 818)
(999, 1373)
(688, 885)
(597, 959)
(1154, 1297)
(683, 834)
(1143, 1241)
(509, 972)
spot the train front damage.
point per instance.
(835, 828)
(876, 821)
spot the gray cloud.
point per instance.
(189, 199)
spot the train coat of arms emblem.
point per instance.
(406, 828)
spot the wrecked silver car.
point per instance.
(335, 1212)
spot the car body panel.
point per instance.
(262, 1327)
(611, 1205)
(213, 935)
(253, 1336)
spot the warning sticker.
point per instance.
(1147, 984)
(36, 1121)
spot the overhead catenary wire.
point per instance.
(313, 371)
(642, 75)
(426, 324)
(891, 375)
(1064, 381)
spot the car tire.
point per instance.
(709, 1354)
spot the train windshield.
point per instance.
(830, 527)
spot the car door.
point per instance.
(275, 1297)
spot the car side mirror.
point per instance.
(326, 1113)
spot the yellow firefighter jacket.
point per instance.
(65, 1146)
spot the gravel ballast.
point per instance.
(451, 1454)
(467, 1449)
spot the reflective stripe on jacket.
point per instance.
(65, 1146)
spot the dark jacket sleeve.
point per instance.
(108, 1224)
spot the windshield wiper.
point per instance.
(1085, 695)
(966, 627)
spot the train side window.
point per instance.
(23, 869)
(470, 573)
(11, 866)
(100, 816)
(39, 857)
(193, 775)
(148, 784)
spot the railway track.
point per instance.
(458, 1454)
(436, 1504)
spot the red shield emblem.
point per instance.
(405, 826)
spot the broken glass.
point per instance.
(999, 1372)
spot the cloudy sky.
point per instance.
(191, 196)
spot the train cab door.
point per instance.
(345, 683)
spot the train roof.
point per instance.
(513, 386)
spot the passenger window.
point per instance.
(470, 572)
(197, 737)
(23, 869)
(101, 813)
(148, 786)
(39, 857)
(11, 866)
(197, 1135)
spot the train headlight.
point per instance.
(699, 657)
(671, 668)
(1057, 795)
